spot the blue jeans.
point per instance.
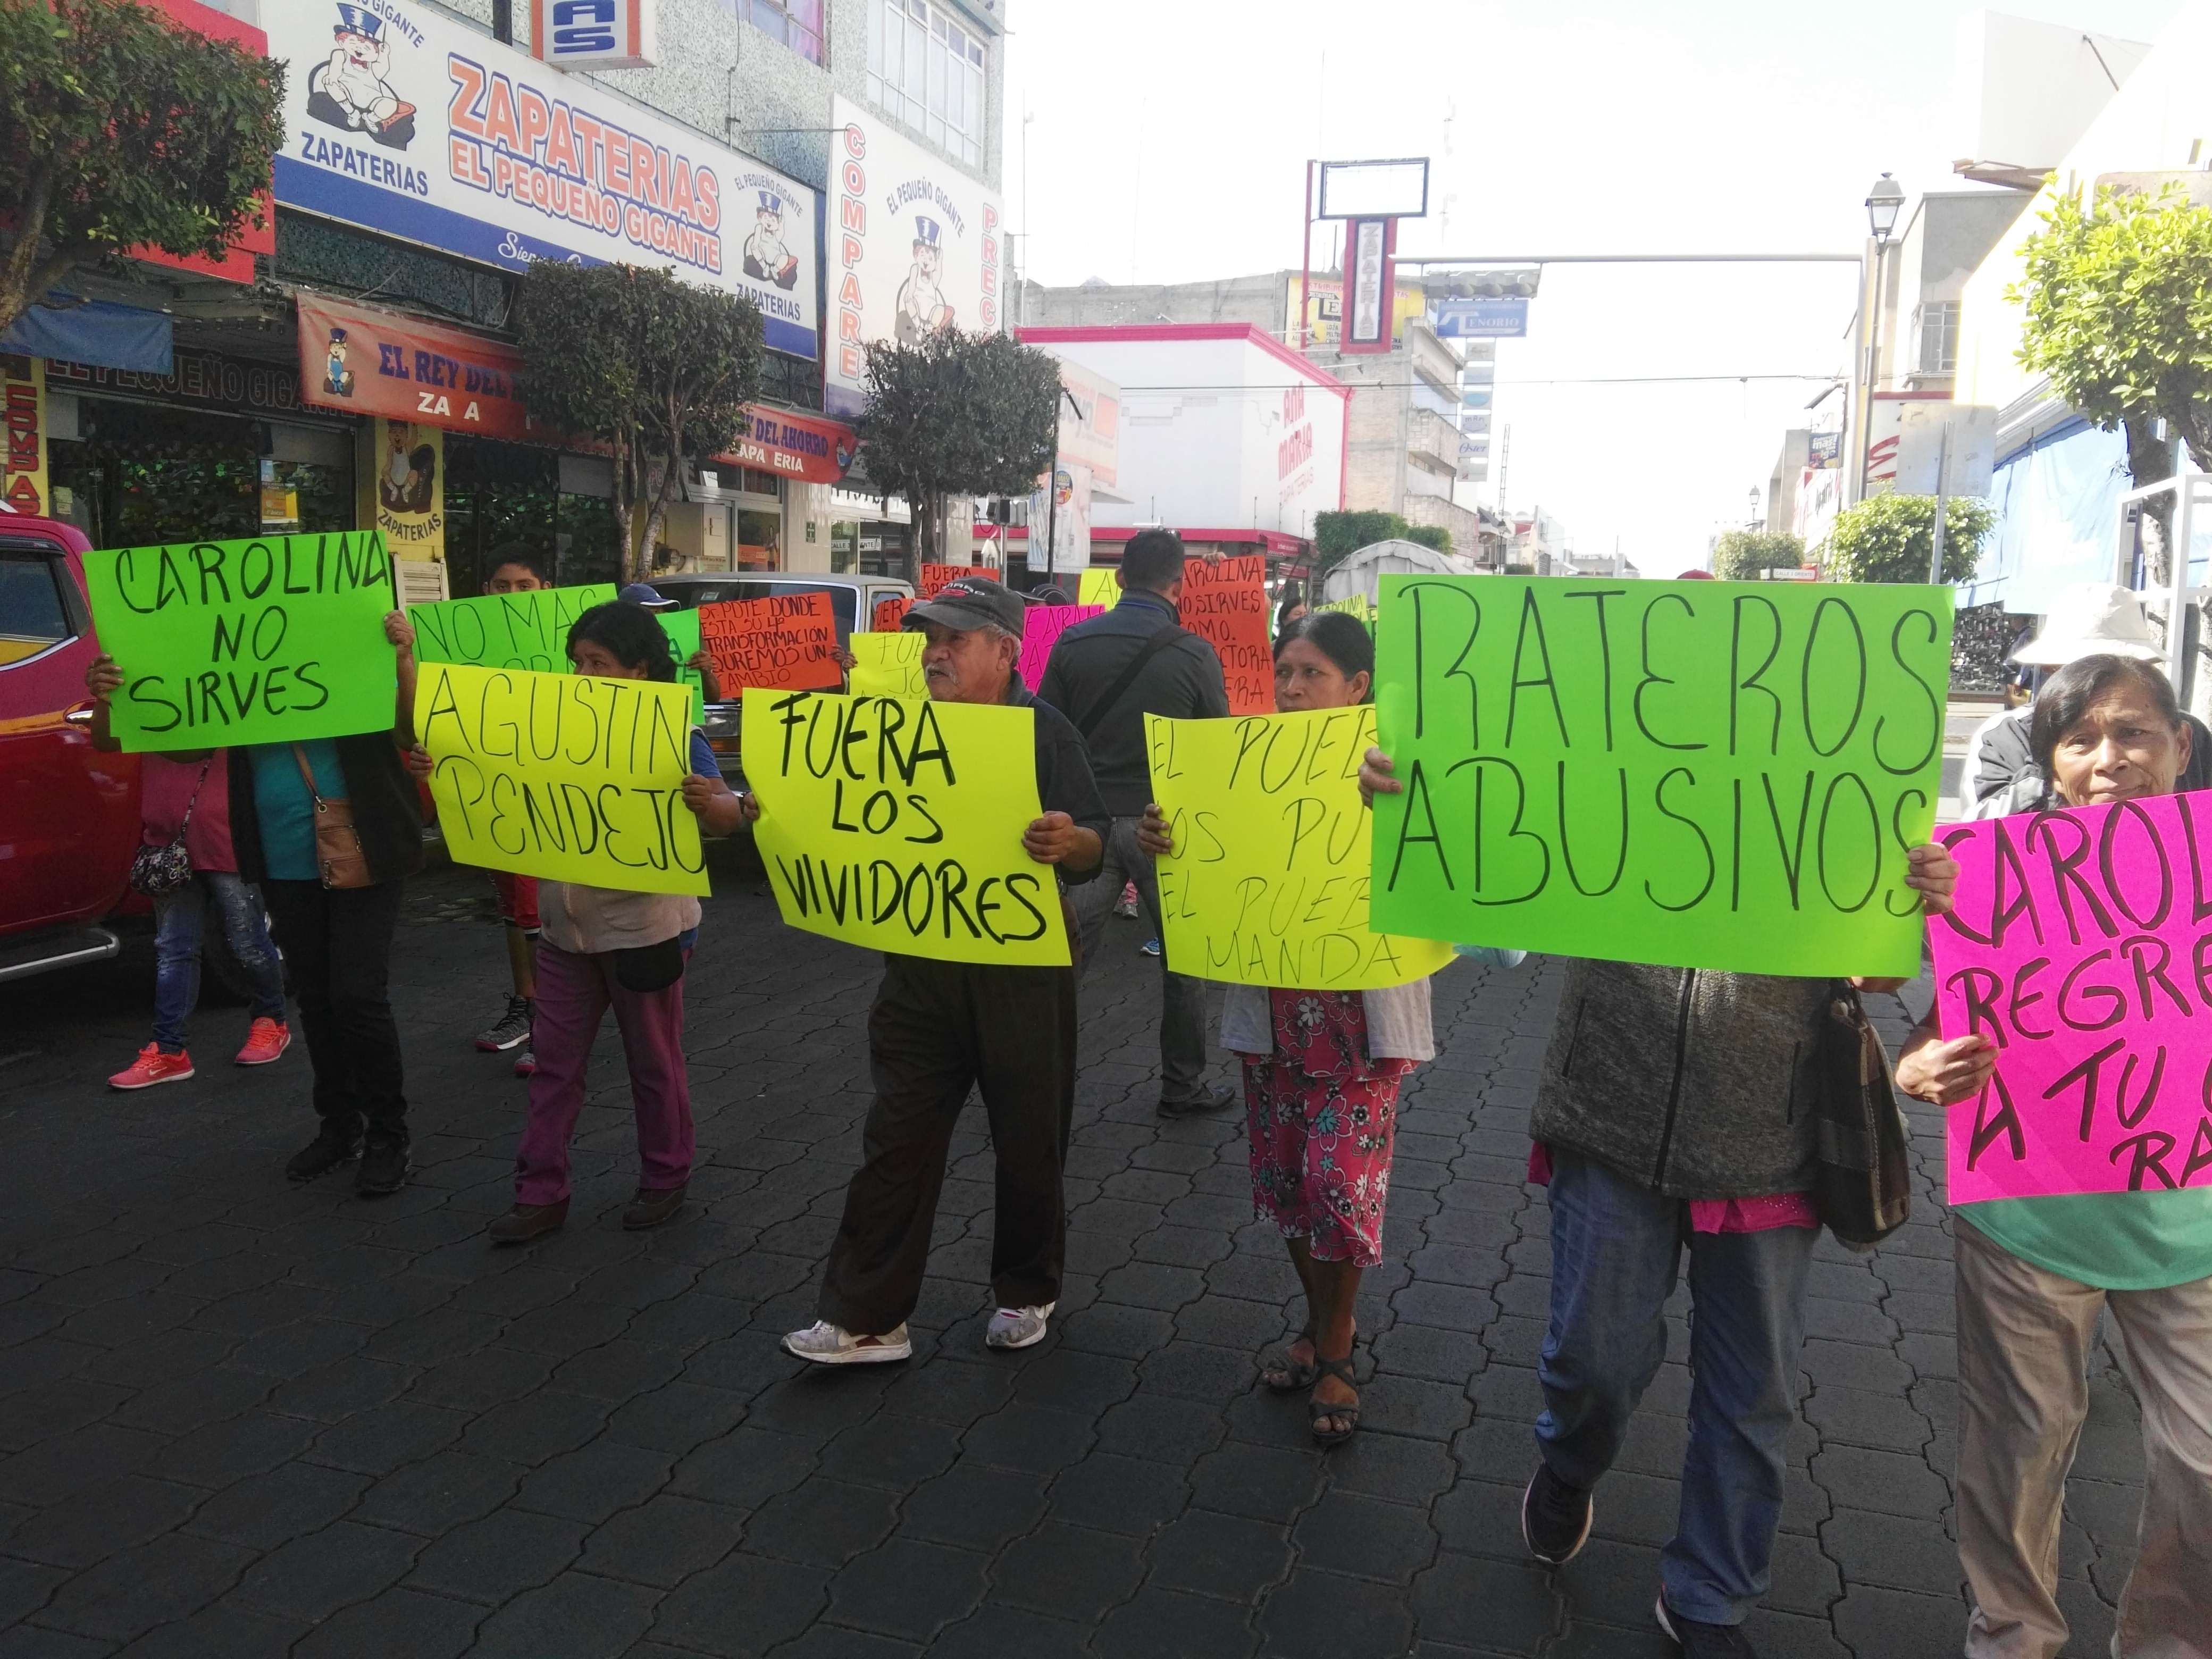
(1616, 1248)
(177, 922)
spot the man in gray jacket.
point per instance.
(1106, 675)
(1677, 1110)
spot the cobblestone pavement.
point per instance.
(240, 1419)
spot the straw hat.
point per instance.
(2085, 619)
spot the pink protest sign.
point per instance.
(2081, 945)
(1041, 624)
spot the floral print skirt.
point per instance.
(1320, 1114)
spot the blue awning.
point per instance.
(95, 331)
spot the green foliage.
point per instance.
(2119, 296)
(1338, 534)
(957, 415)
(122, 129)
(1431, 536)
(1891, 537)
(657, 369)
(1740, 554)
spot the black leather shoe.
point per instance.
(527, 1221)
(384, 1167)
(1212, 1097)
(650, 1209)
(320, 1156)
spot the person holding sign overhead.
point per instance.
(1322, 1073)
(940, 1028)
(606, 948)
(1106, 674)
(2034, 1273)
(1674, 1114)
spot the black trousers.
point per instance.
(938, 1029)
(338, 946)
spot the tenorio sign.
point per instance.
(915, 247)
(401, 121)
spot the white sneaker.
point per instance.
(1017, 1327)
(830, 1345)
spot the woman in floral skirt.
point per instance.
(1322, 1072)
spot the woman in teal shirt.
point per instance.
(2034, 1273)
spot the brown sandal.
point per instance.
(1318, 1411)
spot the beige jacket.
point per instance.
(586, 921)
(1398, 1026)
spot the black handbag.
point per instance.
(158, 872)
(1863, 1188)
(649, 967)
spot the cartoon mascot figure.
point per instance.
(921, 307)
(766, 256)
(348, 89)
(338, 379)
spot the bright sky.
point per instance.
(1169, 137)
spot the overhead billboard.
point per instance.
(400, 121)
(914, 247)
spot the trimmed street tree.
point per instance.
(1740, 555)
(2119, 315)
(1338, 535)
(122, 129)
(957, 415)
(657, 369)
(1891, 538)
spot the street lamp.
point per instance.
(1883, 203)
(1755, 515)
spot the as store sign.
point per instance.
(599, 34)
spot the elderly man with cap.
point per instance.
(938, 1029)
(2085, 619)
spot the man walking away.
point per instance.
(939, 1029)
(1106, 675)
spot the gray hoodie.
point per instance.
(1695, 1084)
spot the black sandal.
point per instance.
(1294, 1375)
(1317, 1409)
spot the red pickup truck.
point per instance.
(68, 814)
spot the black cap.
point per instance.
(970, 603)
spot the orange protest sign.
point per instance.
(1225, 603)
(889, 614)
(788, 643)
(935, 576)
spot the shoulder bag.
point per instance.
(338, 854)
(1098, 711)
(1863, 1188)
(158, 872)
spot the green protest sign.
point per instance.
(505, 631)
(1701, 774)
(682, 628)
(265, 639)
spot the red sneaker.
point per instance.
(153, 1066)
(266, 1040)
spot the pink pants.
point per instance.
(574, 991)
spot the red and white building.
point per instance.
(1227, 436)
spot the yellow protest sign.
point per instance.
(1100, 586)
(563, 777)
(896, 825)
(1268, 881)
(888, 666)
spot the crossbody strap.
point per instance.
(205, 766)
(1120, 689)
(308, 776)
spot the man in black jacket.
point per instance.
(1106, 675)
(939, 1029)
